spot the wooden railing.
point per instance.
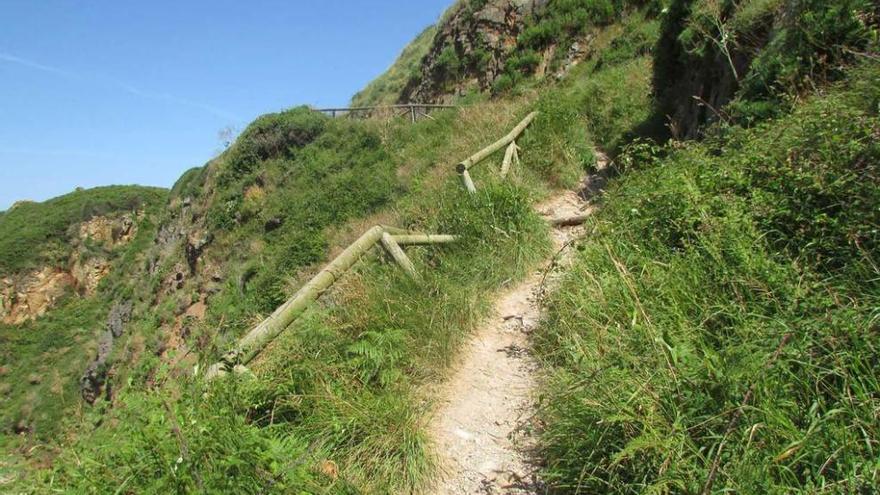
(414, 111)
(391, 238)
(511, 155)
(260, 336)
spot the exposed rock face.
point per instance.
(88, 273)
(92, 384)
(109, 232)
(480, 41)
(30, 296)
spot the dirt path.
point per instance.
(482, 423)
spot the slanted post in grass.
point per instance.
(481, 155)
(468, 182)
(260, 336)
(509, 156)
(399, 256)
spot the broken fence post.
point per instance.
(399, 256)
(260, 336)
(481, 155)
(468, 182)
(415, 239)
(508, 158)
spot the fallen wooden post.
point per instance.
(508, 158)
(413, 239)
(481, 155)
(399, 256)
(260, 336)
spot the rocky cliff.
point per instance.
(470, 49)
(29, 295)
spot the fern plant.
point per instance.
(377, 356)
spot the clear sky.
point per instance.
(135, 92)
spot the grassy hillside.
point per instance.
(42, 360)
(720, 318)
(35, 234)
(718, 331)
(386, 89)
(343, 384)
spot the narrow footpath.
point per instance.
(482, 426)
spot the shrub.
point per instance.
(540, 35)
(448, 65)
(273, 136)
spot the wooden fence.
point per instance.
(511, 155)
(414, 111)
(391, 238)
(260, 336)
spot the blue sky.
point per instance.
(135, 92)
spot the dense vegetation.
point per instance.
(717, 332)
(719, 329)
(35, 234)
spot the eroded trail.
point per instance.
(481, 427)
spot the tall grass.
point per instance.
(337, 405)
(723, 313)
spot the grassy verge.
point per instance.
(664, 343)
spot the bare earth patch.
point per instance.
(482, 425)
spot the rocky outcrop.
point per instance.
(470, 49)
(28, 296)
(109, 232)
(94, 380)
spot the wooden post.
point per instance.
(415, 239)
(260, 336)
(497, 145)
(468, 183)
(412, 111)
(399, 256)
(508, 158)
(252, 343)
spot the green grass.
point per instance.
(33, 235)
(43, 359)
(386, 89)
(344, 383)
(703, 258)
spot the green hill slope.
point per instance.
(35, 234)
(387, 88)
(716, 333)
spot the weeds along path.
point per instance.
(482, 423)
